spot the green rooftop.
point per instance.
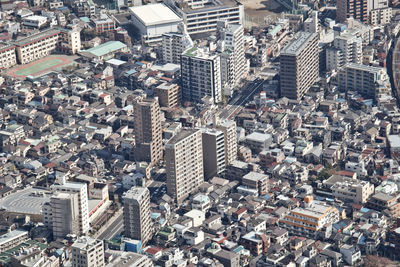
(5, 257)
(105, 48)
(191, 52)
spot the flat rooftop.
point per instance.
(105, 48)
(154, 14)
(28, 201)
(184, 133)
(209, 6)
(298, 43)
(36, 37)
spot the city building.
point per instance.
(137, 220)
(104, 51)
(7, 56)
(36, 46)
(311, 24)
(103, 23)
(202, 16)
(201, 75)
(371, 82)
(346, 48)
(184, 164)
(353, 191)
(61, 214)
(232, 47)
(12, 239)
(174, 44)
(69, 41)
(154, 20)
(358, 9)
(310, 219)
(81, 190)
(228, 127)
(256, 181)
(129, 259)
(388, 203)
(34, 21)
(87, 252)
(299, 67)
(148, 132)
(213, 153)
(169, 95)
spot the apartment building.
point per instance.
(257, 181)
(231, 38)
(353, 191)
(369, 81)
(148, 131)
(347, 48)
(12, 239)
(7, 56)
(61, 214)
(358, 9)
(213, 153)
(388, 203)
(174, 44)
(137, 220)
(87, 252)
(310, 219)
(381, 16)
(201, 75)
(103, 23)
(184, 164)
(202, 16)
(299, 65)
(169, 95)
(229, 129)
(36, 46)
(81, 190)
(69, 41)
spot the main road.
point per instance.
(237, 102)
(113, 229)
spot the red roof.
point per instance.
(50, 165)
(153, 250)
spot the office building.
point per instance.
(137, 220)
(87, 252)
(370, 82)
(61, 214)
(347, 48)
(184, 164)
(36, 46)
(7, 56)
(229, 129)
(299, 65)
(174, 44)
(148, 132)
(81, 190)
(202, 16)
(201, 75)
(213, 153)
(310, 219)
(153, 20)
(231, 38)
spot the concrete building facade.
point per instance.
(213, 153)
(87, 252)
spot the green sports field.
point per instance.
(51, 62)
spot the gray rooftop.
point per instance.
(298, 43)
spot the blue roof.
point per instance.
(238, 249)
(131, 71)
(85, 19)
(364, 210)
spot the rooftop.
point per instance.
(184, 133)
(298, 43)
(154, 14)
(36, 37)
(105, 48)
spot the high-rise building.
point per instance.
(174, 44)
(184, 164)
(213, 153)
(148, 132)
(201, 75)
(229, 129)
(358, 9)
(81, 190)
(370, 82)
(299, 65)
(61, 214)
(311, 24)
(87, 252)
(347, 48)
(137, 220)
(231, 38)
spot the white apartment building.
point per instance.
(229, 129)
(61, 214)
(201, 75)
(34, 21)
(213, 153)
(231, 38)
(137, 220)
(347, 48)
(12, 239)
(311, 24)
(310, 219)
(36, 46)
(70, 41)
(353, 191)
(87, 252)
(202, 16)
(7, 56)
(81, 190)
(174, 44)
(184, 164)
(381, 16)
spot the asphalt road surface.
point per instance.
(115, 228)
